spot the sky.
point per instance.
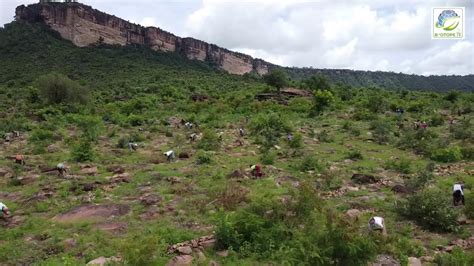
(390, 35)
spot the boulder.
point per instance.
(385, 260)
(150, 199)
(102, 261)
(88, 170)
(364, 179)
(401, 189)
(185, 250)
(25, 180)
(182, 260)
(412, 261)
(183, 155)
(3, 172)
(353, 213)
(116, 169)
(426, 259)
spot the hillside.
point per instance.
(83, 26)
(330, 160)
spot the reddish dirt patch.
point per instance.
(93, 213)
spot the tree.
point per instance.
(270, 127)
(322, 100)
(277, 78)
(56, 88)
(318, 82)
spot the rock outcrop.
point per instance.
(84, 26)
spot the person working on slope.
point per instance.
(20, 159)
(132, 146)
(169, 155)
(4, 212)
(241, 132)
(256, 170)
(377, 224)
(61, 168)
(458, 194)
(193, 137)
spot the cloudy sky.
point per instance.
(392, 35)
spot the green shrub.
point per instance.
(40, 135)
(324, 136)
(362, 114)
(56, 88)
(436, 120)
(456, 258)
(83, 151)
(203, 157)
(469, 207)
(464, 129)
(310, 163)
(446, 155)
(322, 100)
(431, 209)
(381, 131)
(268, 157)
(402, 165)
(296, 142)
(210, 141)
(467, 153)
(268, 128)
(354, 155)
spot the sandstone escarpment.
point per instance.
(83, 25)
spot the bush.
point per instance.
(269, 128)
(381, 131)
(456, 258)
(354, 155)
(209, 141)
(446, 155)
(436, 120)
(464, 129)
(296, 142)
(402, 165)
(321, 101)
(467, 153)
(268, 157)
(203, 157)
(310, 163)
(324, 136)
(91, 127)
(431, 209)
(56, 89)
(83, 151)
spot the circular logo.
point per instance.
(448, 20)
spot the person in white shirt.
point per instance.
(377, 224)
(4, 212)
(169, 155)
(61, 168)
(132, 146)
(458, 194)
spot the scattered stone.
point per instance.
(113, 228)
(183, 155)
(200, 255)
(412, 261)
(353, 213)
(401, 189)
(223, 253)
(121, 178)
(102, 261)
(116, 169)
(69, 243)
(52, 148)
(92, 212)
(3, 172)
(88, 187)
(182, 260)
(462, 219)
(385, 260)
(201, 243)
(88, 170)
(174, 179)
(150, 199)
(364, 179)
(185, 250)
(426, 259)
(25, 180)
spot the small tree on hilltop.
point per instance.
(277, 78)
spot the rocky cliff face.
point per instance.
(84, 26)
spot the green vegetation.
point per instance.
(82, 106)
